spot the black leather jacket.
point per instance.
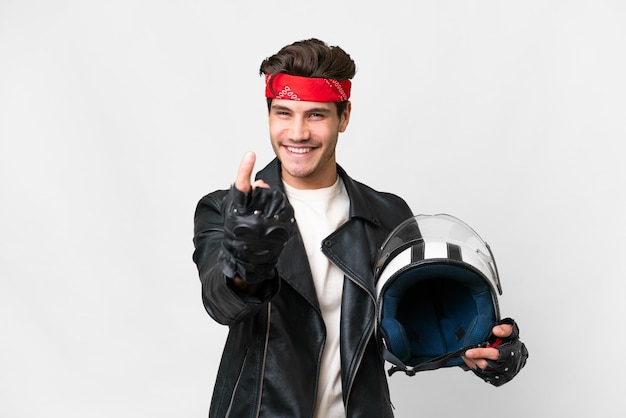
(271, 359)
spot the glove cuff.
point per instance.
(249, 273)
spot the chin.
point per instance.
(299, 174)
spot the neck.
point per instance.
(310, 183)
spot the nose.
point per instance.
(299, 130)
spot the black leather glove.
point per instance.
(513, 356)
(257, 225)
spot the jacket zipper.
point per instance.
(369, 335)
(267, 336)
(232, 395)
(245, 359)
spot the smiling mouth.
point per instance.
(297, 150)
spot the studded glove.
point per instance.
(513, 356)
(257, 225)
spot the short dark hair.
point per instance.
(311, 58)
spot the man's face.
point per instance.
(304, 136)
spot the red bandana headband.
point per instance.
(308, 89)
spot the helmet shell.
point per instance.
(437, 291)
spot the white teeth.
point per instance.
(298, 150)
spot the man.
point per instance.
(286, 261)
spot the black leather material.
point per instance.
(257, 226)
(513, 356)
(276, 336)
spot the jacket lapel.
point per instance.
(349, 247)
(293, 267)
(293, 264)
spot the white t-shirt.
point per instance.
(319, 213)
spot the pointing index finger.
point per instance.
(245, 172)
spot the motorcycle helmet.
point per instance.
(437, 293)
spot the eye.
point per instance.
(281, 113)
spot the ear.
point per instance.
(345, 117)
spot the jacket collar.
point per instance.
(347, 247)
(359, 208)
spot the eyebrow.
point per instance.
(311, 110)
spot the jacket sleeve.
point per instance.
(224, 303)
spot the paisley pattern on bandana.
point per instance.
(286, 93)
(291, 87)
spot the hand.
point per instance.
(477, 357)
(258, 222)
(502, 357)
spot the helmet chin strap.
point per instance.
(432, 364)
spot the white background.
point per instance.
(117, 116)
